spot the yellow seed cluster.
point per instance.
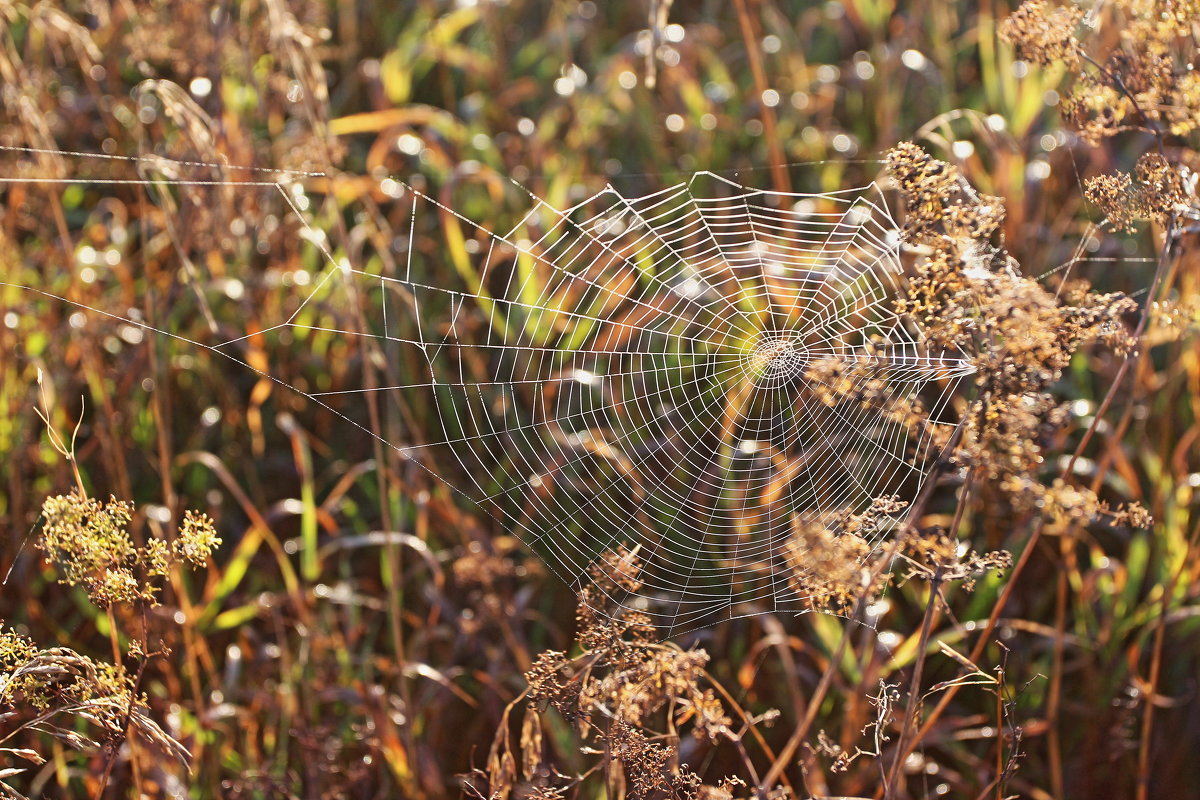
(89, 542)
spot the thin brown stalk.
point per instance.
(912, 709)
(748, 726)
(814, 704)
(1160, 627)
(1054, 700)
(999, 779)
(779, 175)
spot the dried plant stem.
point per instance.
(1067, 553)
(912, 709)
(749, 726)
(116, 653)
(1053, 738)
(65, 448)
(1164, 276)
(814, 704)
(999, 779)
(1143, 762)
(779, 175)
(1166, 259)
(1160, 628)
(134, 761)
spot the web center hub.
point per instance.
(775, 359)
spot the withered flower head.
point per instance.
(939, 202)
(1157, 194)
(89, 541)
(1043, 35)
(968, 295)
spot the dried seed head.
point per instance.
(1043, 35)
(89, 542)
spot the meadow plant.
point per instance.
(46, 691)
(90, 544)
(967, 294)
(627, 699)
(1144, 82)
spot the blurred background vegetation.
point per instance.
(361, 630)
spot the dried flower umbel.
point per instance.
(965, 294)
(1042, 34)
(627, 699)
(1158, 193)
(831, 563)
(940, 205)
(1148, 81)
(40, 686)
(90, 543)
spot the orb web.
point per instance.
(685, 378)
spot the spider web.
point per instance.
(684, 378)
